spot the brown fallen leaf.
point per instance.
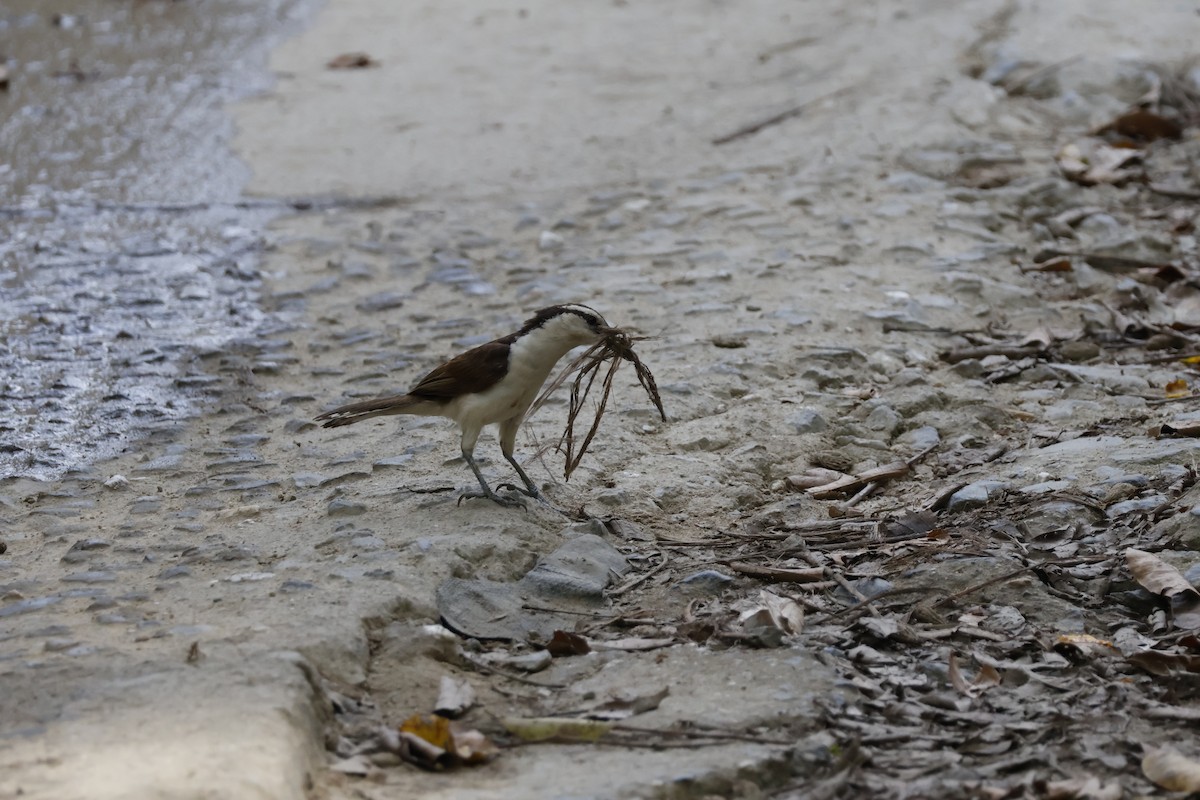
(1171, 770)
(1084, 646)
(1162, 579)
(564, 643)
(1177, 388)
(1143, 125)
(1163, 664)
(987, 677)
(1182, 431)
(351, 61)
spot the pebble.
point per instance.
(1148, 503)
(807, 420)
(548, 241)
(884, 419)
(393, 461)
(28, 605)
(250, 577)
(345, 508)
(709, 581)
(972, 495)
(92, 576)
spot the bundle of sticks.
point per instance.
(613, 350)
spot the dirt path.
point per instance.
(800, 285)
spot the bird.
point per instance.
(495, 382)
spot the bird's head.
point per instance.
(572, 324)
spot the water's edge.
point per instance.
(123, 251)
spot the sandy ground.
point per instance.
(247, 562)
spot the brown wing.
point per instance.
(474, 371)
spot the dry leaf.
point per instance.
(1177, 388)
(433, 729)
(1089, 788)
(1093, 162)
(472, 747)
(1161, 578)
(455, 698)
(1084, 645)
(352, 61)
(1156, 662)
(1171, 770)
(1144, 125)
(540, 729)
(623, 707)
(434, 743)
(1186, 430)
(987, 678)
(631, 643)
(564, 643)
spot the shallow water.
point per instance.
(123, 247)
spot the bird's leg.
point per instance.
(486, 490)
(530, 489)
(508, 441)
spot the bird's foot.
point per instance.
(528, 491)
(507, 502)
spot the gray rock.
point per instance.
(1148, 503)
(92, 576)
(972, 495)
(345, 508)
(884, 419)
(920, 439)
(708, 581)
(807, 420)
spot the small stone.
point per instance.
(117, 482)
(92, 576)
(401, 460)
(1080, 351)
(884, 419)
(58, 644)
(345, 508)
(920, 439)
(250, 577)
(307, 480)
(549, 241)
(384, 301)
(972, 495)
(708, 581)
(807, 420)
(1137, 504)
(536, 661)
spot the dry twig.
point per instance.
(616, 347)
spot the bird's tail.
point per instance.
(356, 412)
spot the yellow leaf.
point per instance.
(433, 729)
(1177, 388)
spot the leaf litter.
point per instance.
(1021, 646)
